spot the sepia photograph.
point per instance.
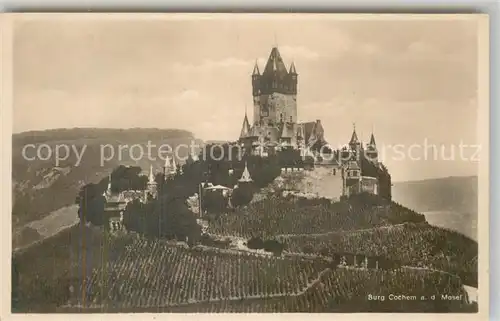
(246, 163)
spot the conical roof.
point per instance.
(292, 69)
(245, 177)
(354, 138)
(275, 63)
(372, 141)
(245, 128)
(300, 132)
(256, 70)
(151, 175)
(286, 131)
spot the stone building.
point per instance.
(362, 170)
(275, 122)
(275, 126)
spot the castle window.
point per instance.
(281, 117)
(334, 171)
(291, 119)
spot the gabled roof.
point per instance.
(292, 69)
(313, 132)
(275, 63)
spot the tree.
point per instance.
(242, 195)
(274, 246)
(255, 243)
(91, 203)
(214, 202)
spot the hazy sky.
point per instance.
(410, 81)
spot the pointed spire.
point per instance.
(354, 137)
(108, 190)
(372, 141)
(275, 63)
(167, 163)
(245, 177)
(174, 165)
(300, 132)
(166, 168)
(292, 69)
(256, 71)
(245, 128)
(151, 175)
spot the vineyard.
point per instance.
(276, 216)
(154, 274)
(418, 245)
(280, 216)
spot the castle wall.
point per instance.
(370, 185)
(322, 181)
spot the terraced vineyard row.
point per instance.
(418, 245)
(153, 274)
(341, 290)
(277, 216)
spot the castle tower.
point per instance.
(354, 143)
(274, 92)
(371, 150)
(352, 177)
(152, 186)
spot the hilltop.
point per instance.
(284, 247)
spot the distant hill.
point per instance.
(457, 194)
(40, 187)
(449, 202)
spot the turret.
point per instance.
(174, 166)
(256, 80)
(354, 143)
(166, 168)
(275, 77)
(245, 128)
(245, 177)
(371, 150)
(107, 193)
(293, 78)
(152, 186)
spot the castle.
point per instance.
(117, 202)
(275, 126)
